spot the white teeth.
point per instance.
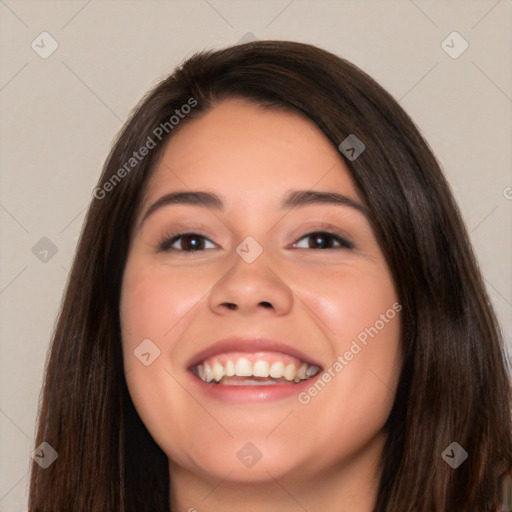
(208, 373)
(261, 369)
(289, 371)
(218, 371)
(243, 368)
(229, 368)
(277, 370)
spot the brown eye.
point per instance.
(325, 240)
(185, 242)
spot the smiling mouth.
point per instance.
(253, 369)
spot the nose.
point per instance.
(249, 288)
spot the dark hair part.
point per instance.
(454, 384)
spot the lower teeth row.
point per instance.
(251, 382)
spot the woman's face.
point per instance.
(282, 278)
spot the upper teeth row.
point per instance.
(244, 368)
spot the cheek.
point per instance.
(348, 300)
(364, 315)
(154, 299)
(360, 314)
(154, 305)
(151, 308)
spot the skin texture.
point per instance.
(322, 455)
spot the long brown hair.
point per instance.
(454, 385)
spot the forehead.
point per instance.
(240, 148)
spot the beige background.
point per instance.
(60, 114)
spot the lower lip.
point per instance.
(240, 394)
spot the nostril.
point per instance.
(232, 306)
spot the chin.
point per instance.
(258, 460)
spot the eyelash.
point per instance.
(166, 243)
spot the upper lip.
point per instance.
(250, 345)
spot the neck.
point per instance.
(350, 486)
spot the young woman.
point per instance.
(275, 306)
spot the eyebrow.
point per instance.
(292, 199)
